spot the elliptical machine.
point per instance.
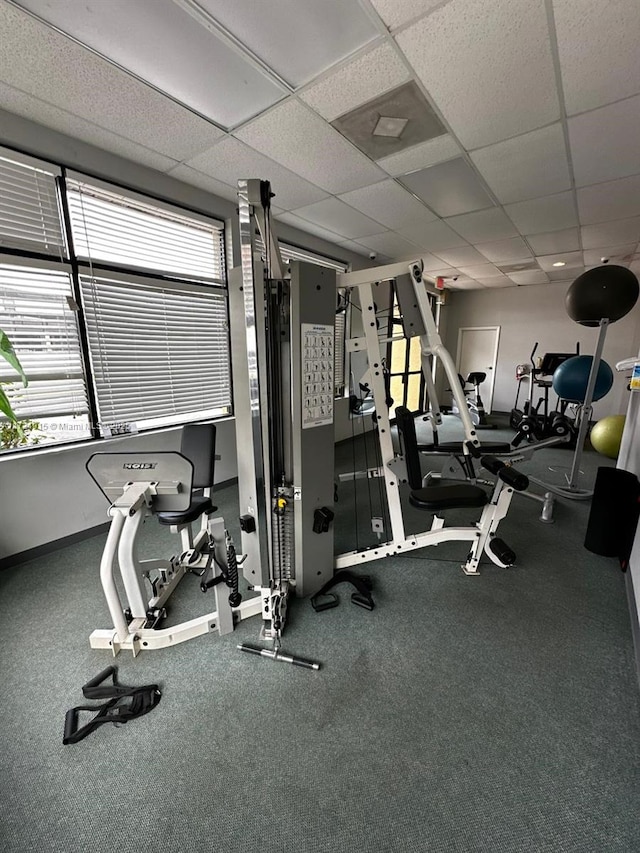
(535, 422)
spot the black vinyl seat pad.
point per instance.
(450, 496)
(199, 505)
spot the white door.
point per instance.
(478, 352)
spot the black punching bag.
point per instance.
(613, 519)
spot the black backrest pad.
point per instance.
(199, 445)
(409, 443)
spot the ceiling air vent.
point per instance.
(391, 122)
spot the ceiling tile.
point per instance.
(487, 66)
(587, 32)
(391, 244)
(529, 277)
(431, 263)
(144, 37)
(604, 143)
(565, 274)
(32, 108)
(463, 256)
(462, 284)
(555, 241)
(388, 203)
(613, 200)
(41, 62)
(397, 12)
(571, 259)
(518, 266)
(204, 182)
(298, 43)
(230, 160)
(480, 271)
(496, 281)
(528, 166)
(616, 254)
(484, 225)
(514, 249)
(300, 140)
(336, 216)
(432, 236)
(449, 188)
(421, 156)
(539, 215)
(445, 271)
(309, 227)
(358, 248)
(613, 233)
(357, 82)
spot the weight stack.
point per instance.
(613, 519)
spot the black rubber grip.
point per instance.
(492, 464)
(70, 726)
(100, 677)
(513, 478)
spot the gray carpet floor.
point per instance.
(494, 713)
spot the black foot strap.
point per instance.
(124, 704)
(324, 600)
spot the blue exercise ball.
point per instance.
(571, 378)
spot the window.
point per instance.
(29, 212)
(37, 307)
(125, 328)
(404, 357)
(159, 342)
(155, 355)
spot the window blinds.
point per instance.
(122, 230)
(29, 213)
(37, 313)
(159, 351)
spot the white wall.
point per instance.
(47, 494)
(537, 313)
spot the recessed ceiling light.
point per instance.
(559, 264)
(390, 126)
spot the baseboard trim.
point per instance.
(48, 547)
(71, 539)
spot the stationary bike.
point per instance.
(475, 405)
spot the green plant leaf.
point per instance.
(8, 353)
(5, 408)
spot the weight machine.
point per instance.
(282, 340)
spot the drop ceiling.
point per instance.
(530, 158)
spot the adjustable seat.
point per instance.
(198, 444)
(448, 496)
(454, 495)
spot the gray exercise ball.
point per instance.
(608, 291)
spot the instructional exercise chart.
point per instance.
(317, 375)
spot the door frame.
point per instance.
(492, 383)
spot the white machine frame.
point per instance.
(392, 466)
(127, 512)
